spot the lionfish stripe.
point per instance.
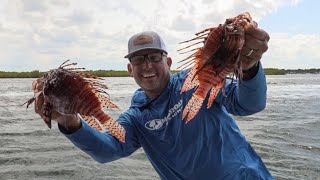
(209, 76)
(93, 122)
(90, 107)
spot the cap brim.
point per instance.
(130, 54)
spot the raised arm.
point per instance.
(249, 95)
(245, 97)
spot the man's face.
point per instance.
(152, 77)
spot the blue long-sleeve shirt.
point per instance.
(210, 146)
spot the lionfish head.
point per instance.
(52, 80)
(236, 25)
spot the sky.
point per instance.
(40, 35)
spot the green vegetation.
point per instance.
(273, 71)
(112, 73)
(109, 73)
(36, 74)
(32, 74)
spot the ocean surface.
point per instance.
(286, 135)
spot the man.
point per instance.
(210, 146)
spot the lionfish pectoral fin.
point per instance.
(239, 71)
(91, 121)
(105, 101)
(47, 113)
(108, 104)
(213, 93)
(30, 101)
(112, 126)
(190, 82)
(192, 108)
(47, 120)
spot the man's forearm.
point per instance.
(252, 92)
(251, 72)
(248, 96)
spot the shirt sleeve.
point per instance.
(102, 146)
(245, 97)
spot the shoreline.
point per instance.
(123, 73)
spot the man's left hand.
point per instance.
(256, 44)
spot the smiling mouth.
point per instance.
(148, 75)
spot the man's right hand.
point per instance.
(70, 122)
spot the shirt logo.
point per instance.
(156, 124)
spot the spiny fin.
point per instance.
(96, 84)
(105, 101)
(191, 81)
(93, 122)
(192, 108)
(112, 126)
(86, 75)
(213, 93)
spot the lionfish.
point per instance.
(210, 64)
(71, 92)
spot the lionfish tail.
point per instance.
(192, 108)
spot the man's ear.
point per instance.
(129, 67)
(169, 61)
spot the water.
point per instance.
(286, 135)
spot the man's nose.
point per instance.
(146, 63)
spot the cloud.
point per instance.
(34, 6)
(80, 17)
(293, 51)
(182, 24)
(95, 33)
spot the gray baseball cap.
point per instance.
(145, 40)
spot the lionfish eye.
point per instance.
(247, 19)
(229, 28)
(228, 21)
